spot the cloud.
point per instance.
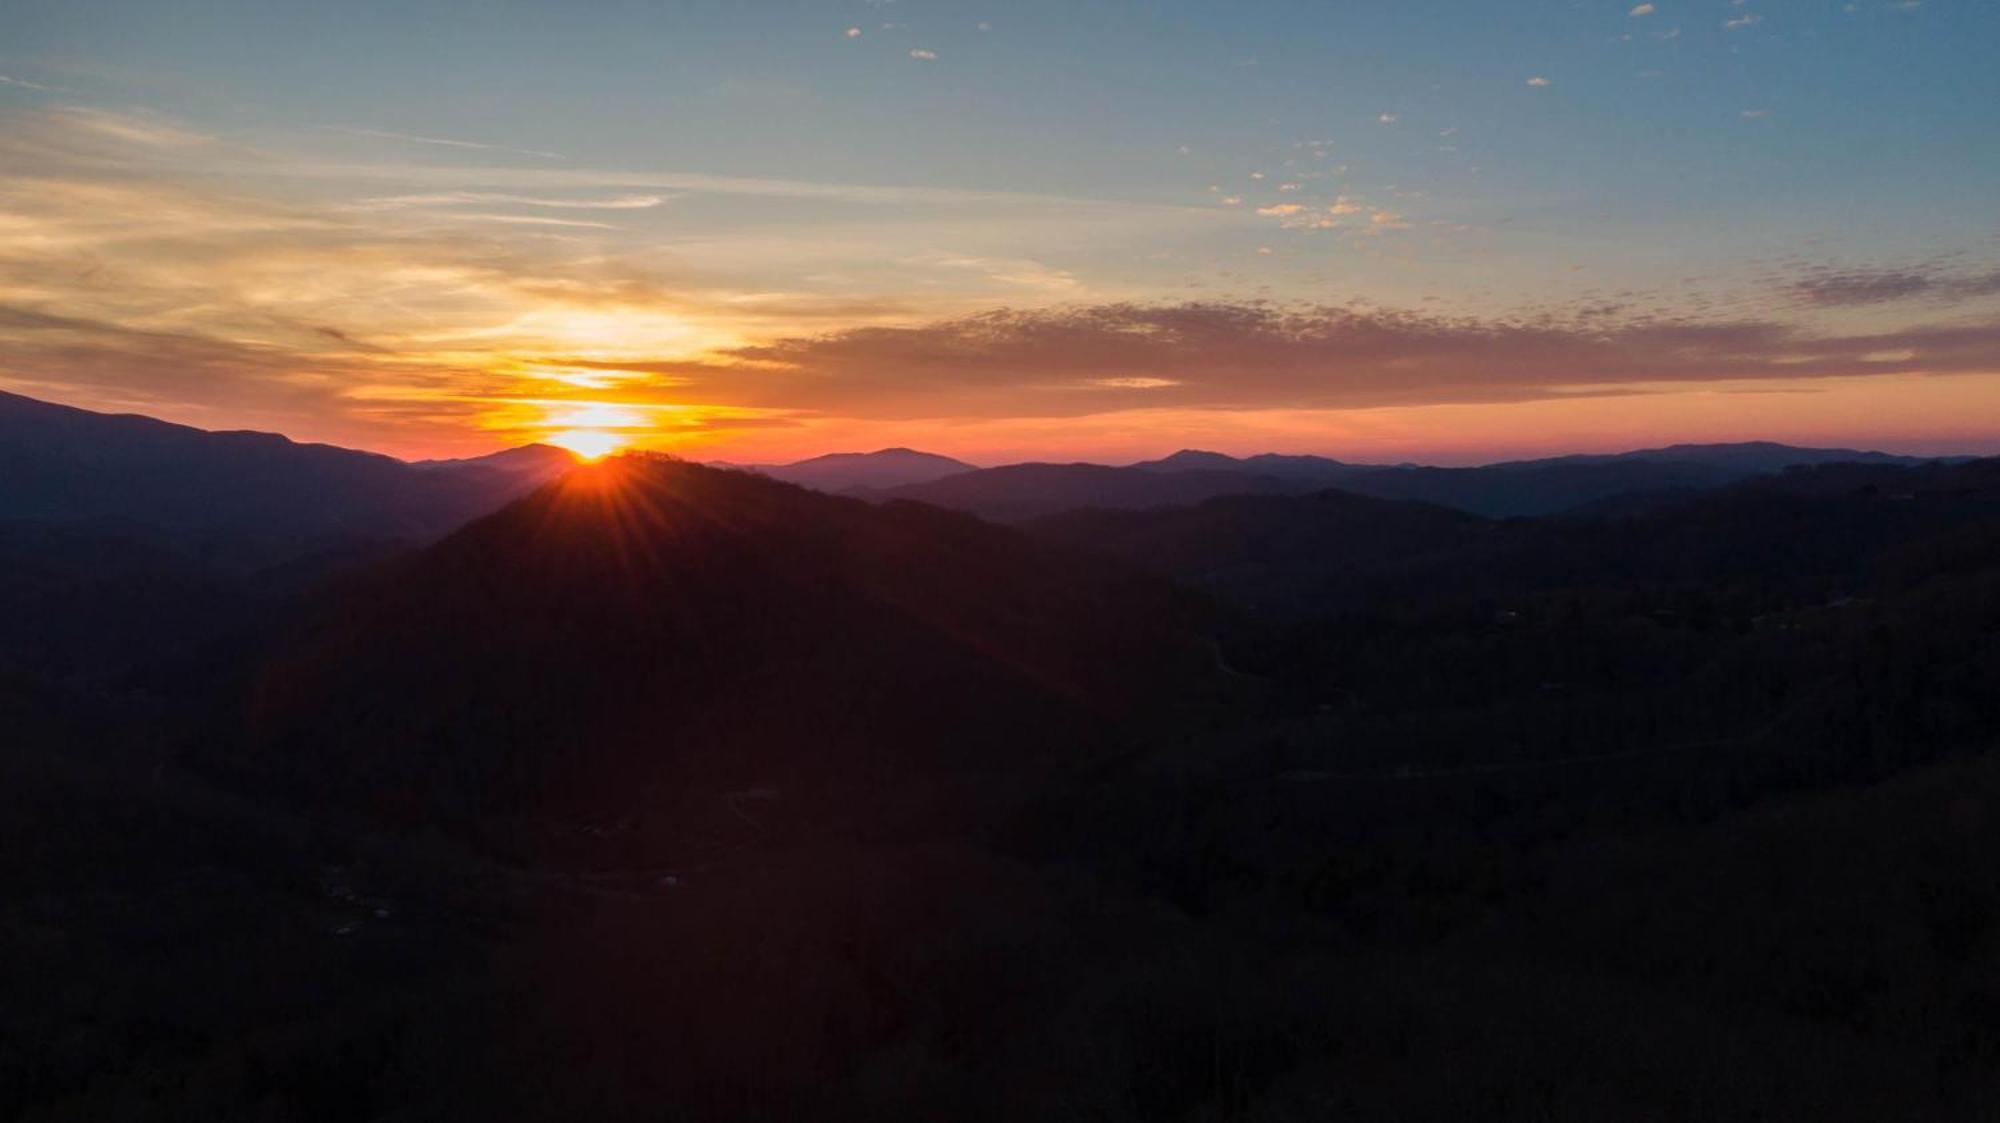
(1754, 114)
(922, 55)
(1747, 19)
(134, 281)
(1016, 271)
(23, 83)
(488, 198)
(1641, 10)
(1538, 81)
(853, 33)
(129, 278)
(1301, 216)
(156, 370)
(143, 130)
(526, 220)
(1828, 287)
(1223, 355)
(381, 134)
(563, 179)
(1132, 383)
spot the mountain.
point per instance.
(646, 628)
(1025, 491)
(1276, 551)
(1837, 524)
(1757, 457)
(248, 495)
(536, 462)
(1533, 488)
(1264, 463)
(1537, 487)
(783, 805)
(847, 471)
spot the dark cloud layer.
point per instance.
(1081, 360)
(1835, 288)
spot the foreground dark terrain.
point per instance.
(665, 792)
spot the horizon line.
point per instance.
(1663, 445)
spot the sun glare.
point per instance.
(591, 444)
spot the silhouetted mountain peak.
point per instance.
(859, 471)
(1192, 458)
(1283, 465)
(650, 621)
(541, 459)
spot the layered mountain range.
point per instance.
(339, 787)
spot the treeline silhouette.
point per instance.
(668, 792)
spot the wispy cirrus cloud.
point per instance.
(136, 128)
(129, 284)
(583, 179)
(441, 142)
(489, 198)
(526, 220)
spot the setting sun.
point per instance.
(591, 444)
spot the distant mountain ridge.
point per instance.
(1755, 457)
(259, 494)
(1333, 549)
(847, 471)
(65, 463)
(1263, 463)
(537, 460)
(1502, 490)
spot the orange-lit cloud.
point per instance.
(1218, 355)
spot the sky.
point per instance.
(749, 230)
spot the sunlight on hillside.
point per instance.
(591, 444)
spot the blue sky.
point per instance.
(693, 188)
